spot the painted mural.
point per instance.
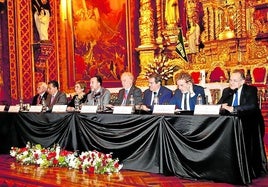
(99, 38)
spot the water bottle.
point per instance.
(44, 107)
(100, 105)
(132, 103)
(21, 105)
(206, 100)
(76, 103)
(199, 100)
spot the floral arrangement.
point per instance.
(160, 66)
(90, 161)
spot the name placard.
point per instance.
(164, 109)
(89, 109)
(207, 109)
(2, 108)
(122, 110)
(14, 108)
(59, 108)
(36, 108)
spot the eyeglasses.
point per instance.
(235, 80)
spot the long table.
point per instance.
(198, 147)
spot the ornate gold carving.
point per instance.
(12, 50)
(146, 23)
(232, 17)
(256, 50)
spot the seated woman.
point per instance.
(80, 95)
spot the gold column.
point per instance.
(159, 20)
(211, 21)
(218, 21)
(147, 47)
(243, 19)
(204, 34)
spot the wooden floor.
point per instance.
(15, 175)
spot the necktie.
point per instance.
(125, 98)
(185, 101)
(236, 99)
(52, 100)
(126, 93)
(39, 99)
(155, 99)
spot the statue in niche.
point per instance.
(172, 12)
(42, 13)
(193, 35)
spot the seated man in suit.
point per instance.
(41, 93)
(162, 93)
(55, 97)
(239, 96)
(123, 97)
(98, 93)
(242, 99)
(185, 97)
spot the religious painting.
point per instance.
(260, 18)
(100, 39)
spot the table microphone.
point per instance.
(97, 94)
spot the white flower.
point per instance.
(103, 163)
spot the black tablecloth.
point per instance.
(199, 147)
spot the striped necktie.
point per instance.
(125, 98)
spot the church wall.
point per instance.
(25, 61)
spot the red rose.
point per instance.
(51, 155)
(116, 165)
(55, 162)
(91, 169)
(36, 156)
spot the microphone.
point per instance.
(97, 94)
(95, 97)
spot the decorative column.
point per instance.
(147, 47)
(211, 28)
(218, 21)
(42, 53)
(243, 19)
(205, 33)
(159, 20)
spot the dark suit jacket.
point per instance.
(253, 126)
(60, 99)
(248, 98)
(35, 98)
(83, 100)
(164, 95)
(135, 91)
(177, 98)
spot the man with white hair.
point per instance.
(124, 95)
(41, 93)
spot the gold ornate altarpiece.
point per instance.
(155, 35)
(238, 49)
